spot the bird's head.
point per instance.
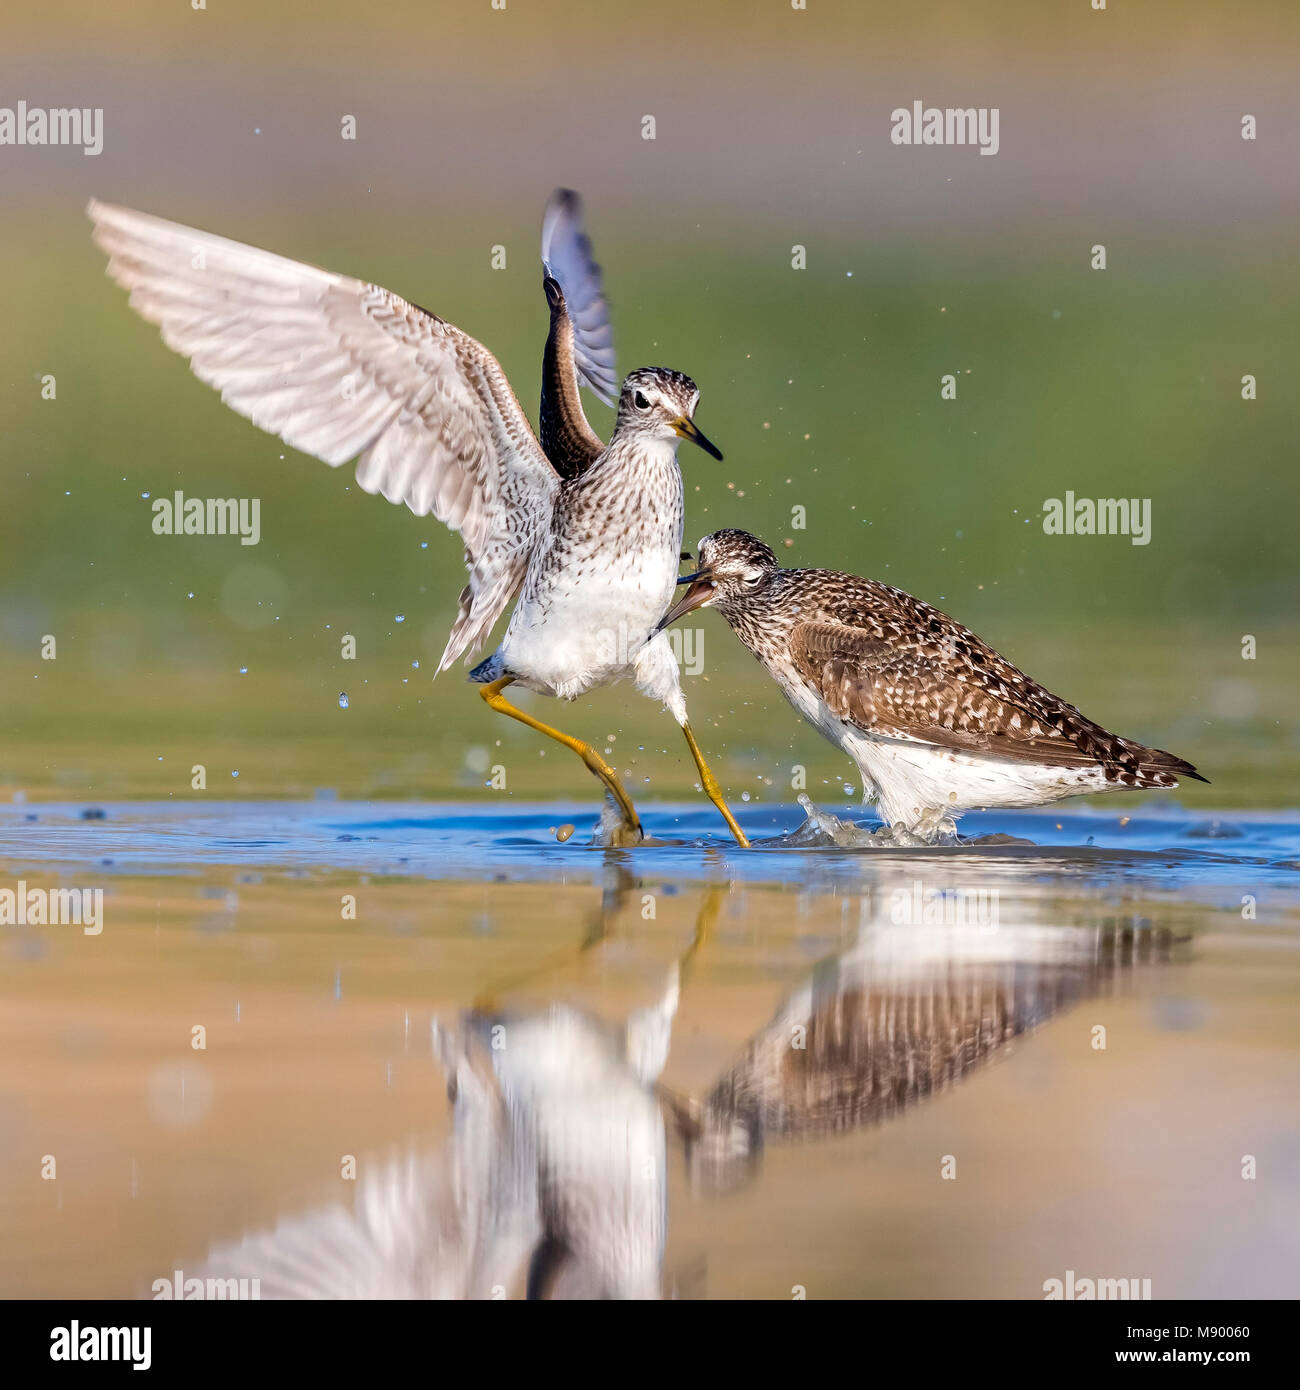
(658, 403)
(733, 566)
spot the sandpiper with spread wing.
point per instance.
(936, 720)
(589, 540)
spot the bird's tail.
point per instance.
(1136, 765)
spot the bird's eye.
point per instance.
(640, 401)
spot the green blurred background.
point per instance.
(822, 386)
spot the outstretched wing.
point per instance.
(339, 368)
(401, 1240)
(567, 258)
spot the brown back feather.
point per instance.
(891, 664)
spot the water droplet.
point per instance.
(343, 699)
(399, 617)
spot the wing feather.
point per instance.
(567, 256)
(339, 369)
(944, 687)
(891, 664)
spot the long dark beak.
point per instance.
(688, 429)
(699, 591)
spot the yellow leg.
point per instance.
(684, 1110)
(705, 921)
(599, 929)
(711, 789)
(494, 698)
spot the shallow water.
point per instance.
(958, 1071)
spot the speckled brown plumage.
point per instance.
(886, 661)
(891, 665)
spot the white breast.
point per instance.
(596, 592)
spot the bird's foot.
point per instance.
(616, 831)
(934, 826)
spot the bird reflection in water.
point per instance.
(554, 1176)
(907, 1013)
(554, 1180)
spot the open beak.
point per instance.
(699, 591)
(688, 429)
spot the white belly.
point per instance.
(915, 784)
(565, 638)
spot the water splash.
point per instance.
(825, 829)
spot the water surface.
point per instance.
(1056, 1049)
